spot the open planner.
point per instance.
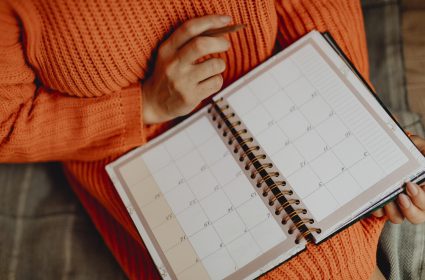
(291, 153)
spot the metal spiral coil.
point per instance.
(230, 126)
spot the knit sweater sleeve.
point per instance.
(38, 124)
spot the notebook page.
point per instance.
(337, 148)
(195, 209)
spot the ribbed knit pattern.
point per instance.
(70, 75)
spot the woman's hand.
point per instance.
(410, 206)
(178, 83)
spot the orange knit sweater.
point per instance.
(70, 91)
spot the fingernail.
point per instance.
(404, 201)
(225, 19)
(412, 189)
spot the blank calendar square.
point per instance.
(272, 139)
(239, 191)
(216, 205)
(344, 188)
(219, 264)
(294, 125)
(156, 158)
(193, 219)
(304, 181)
(264, 86)
(321, 203)
(213, 150)
(179, 198)
(244, 249)
(243, 101)
(300, 91)
(179, 145)
(326, 166)
(310, 145)
(288, 160)
(268, 234)
(332, 130)
(229, 227)
(349, 151)
(200, 131)
(366, 172)
(316, 110)
(203, 248)
(226, 170)
(285, 72)
(173, 178)
(278, 105)
(257, 120)
(253, 212)
(203, 184)
(190, 164)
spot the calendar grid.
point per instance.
(336, 115)
(183, 180)
(319, 92)
(234, 262)
(304, 159)
(232, 211)
(306, 132)
(350, 111)
(320, 77)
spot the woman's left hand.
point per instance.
(410, 205)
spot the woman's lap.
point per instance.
(352, 251)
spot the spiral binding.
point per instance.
(267, 180)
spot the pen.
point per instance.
(223, 30)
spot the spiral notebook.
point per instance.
(291, 153)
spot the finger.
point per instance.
(378, 213)
(209, 86)
(195, 27)
(208, 68)
(201, 46)
(416, 194)
(391, 210)
(419, 142)
(412, 213)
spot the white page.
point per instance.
(323, 130)
(195, 207)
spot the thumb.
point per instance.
(378, 213)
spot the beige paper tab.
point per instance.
(195, 272)
(169, 234)
(181, 256)
(157, 212)
(134, 171)
(145, 191)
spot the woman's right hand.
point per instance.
(178, 84)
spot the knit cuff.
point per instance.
(131, 109)
(373, 226)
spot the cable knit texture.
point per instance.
(70, 75)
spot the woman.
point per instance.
(83, 82)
